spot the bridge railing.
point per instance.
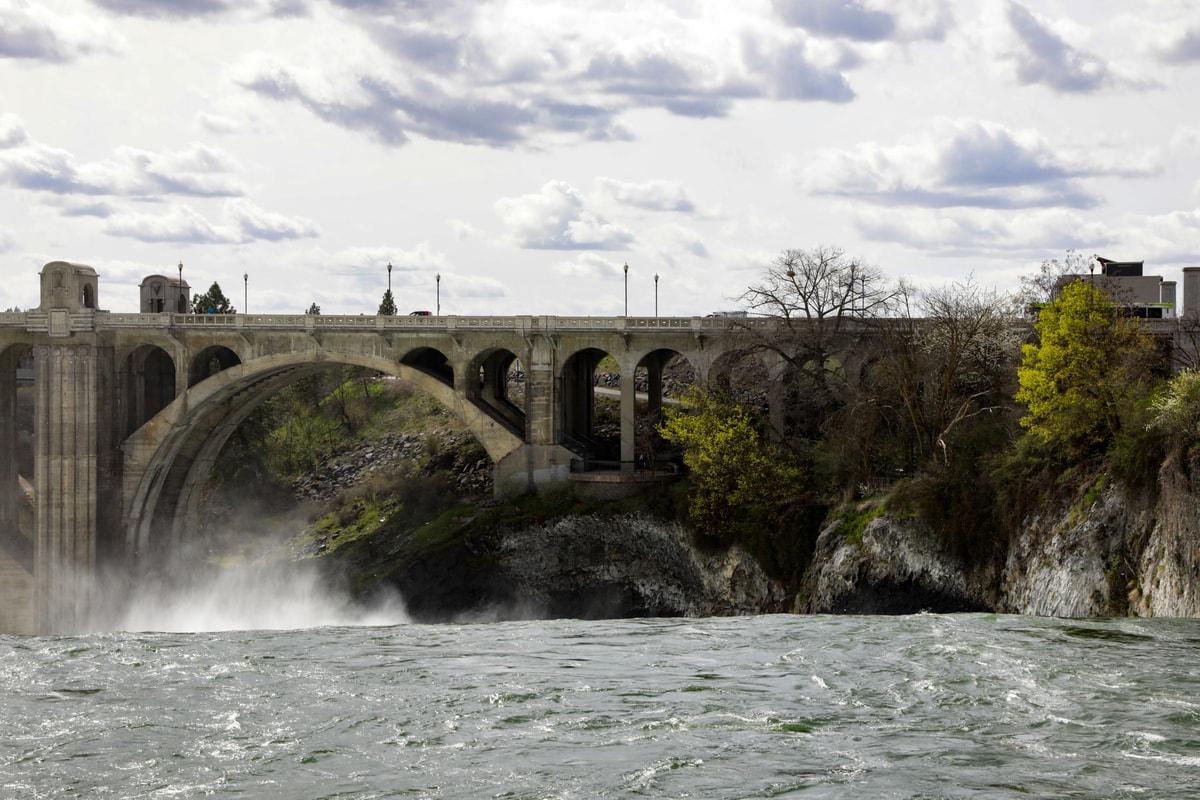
(449, 323)
(101, 320)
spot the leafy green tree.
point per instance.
(387, 306)
(314, 310)
(741, 481)
(1087, 371)
(213, 301)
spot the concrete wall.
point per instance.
(1191, 292)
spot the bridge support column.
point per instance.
(16, 550)
(540, 394)
(777, 393)
(628, 417)
(66, 454)
(543, 459)
(9, 490)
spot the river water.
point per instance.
(924, 706)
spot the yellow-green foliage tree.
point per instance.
(1088, 369)
(742, 483)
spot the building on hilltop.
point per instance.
(1147, 296)
(160, 294)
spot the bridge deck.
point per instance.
(38, 322)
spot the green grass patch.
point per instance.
(853, 521)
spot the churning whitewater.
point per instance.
(922, 706)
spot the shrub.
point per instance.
(1175, 409)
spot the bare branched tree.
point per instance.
(820, 284)
(1042, 286)
(821, 298)
(950, 365)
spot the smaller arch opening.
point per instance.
(210, 361)
(149, 385)
(591, 407)
(19, 373)
(89, 296)
(432, 362)
(499, 388)
(660, 379)
(743, 376)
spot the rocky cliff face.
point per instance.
(1168, 570)
(588, 566)
(898, 567)
(1119, 553)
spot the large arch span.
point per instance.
(168, 459)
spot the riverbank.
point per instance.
(404, 504)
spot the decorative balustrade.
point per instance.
(36, 321)
(301, 322)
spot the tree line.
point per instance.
(951, 403)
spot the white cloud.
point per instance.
(182, 224)
(221, 124)
(967, 232)
(653, 195)
(12, 131)
(589, 265)
(1042, 52)
(367, 265)
(196, 171)
(556, 218)
(463, 230)
(31, 31)
(504, 75)
(192, 9)
(243, 223)
(1170, 238)
(255, 224)
(867, 21)
(1179, 44)
(971, 163)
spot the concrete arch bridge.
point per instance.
(129, 411)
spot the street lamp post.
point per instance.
(438, 280)
(656, 295)
(627, 289)
(245, 292)
(389, 276)
(182, 310)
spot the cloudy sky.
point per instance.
(526, 150)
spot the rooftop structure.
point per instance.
(1147, 296)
